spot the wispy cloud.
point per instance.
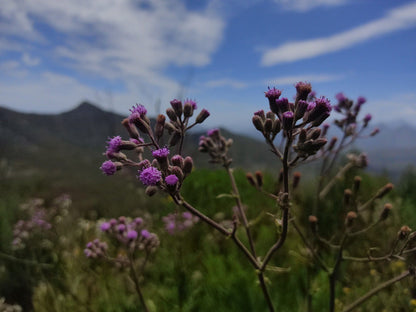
(398, 107)
(131, 41)
(226, 83)
(306, 5)
(396, 19)
(313, 78)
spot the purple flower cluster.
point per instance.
(130, 233)
(349, 122)
(95, 249)
(298, 119)
(175, 223)
(216, 146)
(40, 220)
(161, 173)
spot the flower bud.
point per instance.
(258, 123)
(171, 114)
(188, 110)
(177, 160)
(314, 134)
(404, 232)
(160, 124)
(261, 114)
(177, 107)
(188, 165)
(250, 179)
(177, 171)
(132, 130)
(384, 191)
(347, 196)
(151, 190)
(276, 127)
(174, 139)
(259, 178)
(268, 125)
(270, 115)
(386, 211)
(351, 216)
(301, 108)
(332, 143)
(357, 184)
(203, 114)
(313, 222)
(302, 90)
(296, 179)
(287, 120)
(375, 131)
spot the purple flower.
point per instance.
(108, 167)
(145, 233)
(138, 109)
(187, 215)
(161, 153)
(213, 132)
(137, 141)
(105, 226)
(150, 176)
(287, 120)
(171, 179)
(261, 114)
(121, 227)
(132, 234)
(320, 112)
(272, 95)
(114, 144)
(193, 103)
(203, 114)
(340, 97)
(138, 221)
(361, 100)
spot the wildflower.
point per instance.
(138, 109)
(161, 153)
(204, 114)
(132, 234)
(171, 179)
(287, 121)
(145, 233)
(150, 176)
(105, 226)
(272, 95)
(108, 167)
(114, 144)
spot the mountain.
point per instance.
(59, 143)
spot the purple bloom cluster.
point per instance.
(161, 153)
(216, 146)
(150, 176)
(114, 144)
(127, 233)
(95, 249)
(108, 167)
(40, 220)
(349, 110)
(175, 223)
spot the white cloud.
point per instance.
(306, 5)
(313, 78)
(30, 60)
(226, 83)
(398, 107)
(397, 19)
(132, 41)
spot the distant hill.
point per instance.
(76, 139)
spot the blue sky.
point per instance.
(223, 54)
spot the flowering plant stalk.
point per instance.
(298, 127)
